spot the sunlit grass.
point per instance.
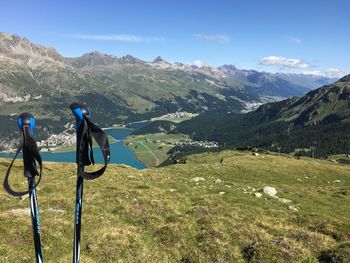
(162, 215)
(152, 149)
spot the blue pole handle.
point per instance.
(80, 110)
(26, 119)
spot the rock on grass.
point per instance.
(270, 191)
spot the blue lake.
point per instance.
(119, 153)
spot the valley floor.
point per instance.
(211, 209)
(152, 149)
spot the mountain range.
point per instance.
(318, 121)
(38, 79)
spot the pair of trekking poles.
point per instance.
(85, 131)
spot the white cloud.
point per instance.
(118, 37)
(314, 72)
(335, 73)
(198, 63)
(295, 40)
(284, 62)
(213, 38)
(330, 73)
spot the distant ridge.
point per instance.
(92, 59)
(320, 119)
(123, 89)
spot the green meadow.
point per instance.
(206, 210)
(152, 149)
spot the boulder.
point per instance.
(217, 181)
(270, 191)
(197, 179)
(293, 208)
(258, 195)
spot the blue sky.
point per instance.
(291, 36)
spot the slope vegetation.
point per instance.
(206, 210)
(319, 119)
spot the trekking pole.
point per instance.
(85, 130)
(31, 156)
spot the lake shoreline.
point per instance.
(120, 154)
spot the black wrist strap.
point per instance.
(31, 156)
(89, 131)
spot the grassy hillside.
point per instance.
(319, 119)
(169, 215)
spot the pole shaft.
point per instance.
(34, 211)
(78, 212)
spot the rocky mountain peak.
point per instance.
(229, 67)
(95, 54)
(158, 59)
(18, 47)
(98, 54)
(92, 59)
(131, 59)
